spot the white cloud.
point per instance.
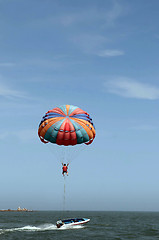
(110, 53)
(8, 92)
(130, 88)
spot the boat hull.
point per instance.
(72, 222)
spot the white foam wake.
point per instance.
(29, 228)
(43, 227)
(65, 227)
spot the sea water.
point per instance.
(40, 225)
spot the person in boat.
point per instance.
(59, 224)
(65, 169)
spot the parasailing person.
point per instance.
(65, 169)
(66, 126)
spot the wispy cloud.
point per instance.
(8, 92)
(105, 16)
(145, 127)
(22, 135)
(85, 27)
(94, 42)
(89, 42)
(110, 53)
(56, 63)
(7, 64)
(130, 88)
(114, 13)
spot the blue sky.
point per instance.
(103, 57)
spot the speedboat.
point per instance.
(72, 222)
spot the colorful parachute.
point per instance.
(66, 125)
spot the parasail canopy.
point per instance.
(66, 125)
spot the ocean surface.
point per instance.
(40, 225)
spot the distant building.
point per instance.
(22, 209)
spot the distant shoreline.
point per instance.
(9, 210)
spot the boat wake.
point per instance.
(65, 227)
(43, 227)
